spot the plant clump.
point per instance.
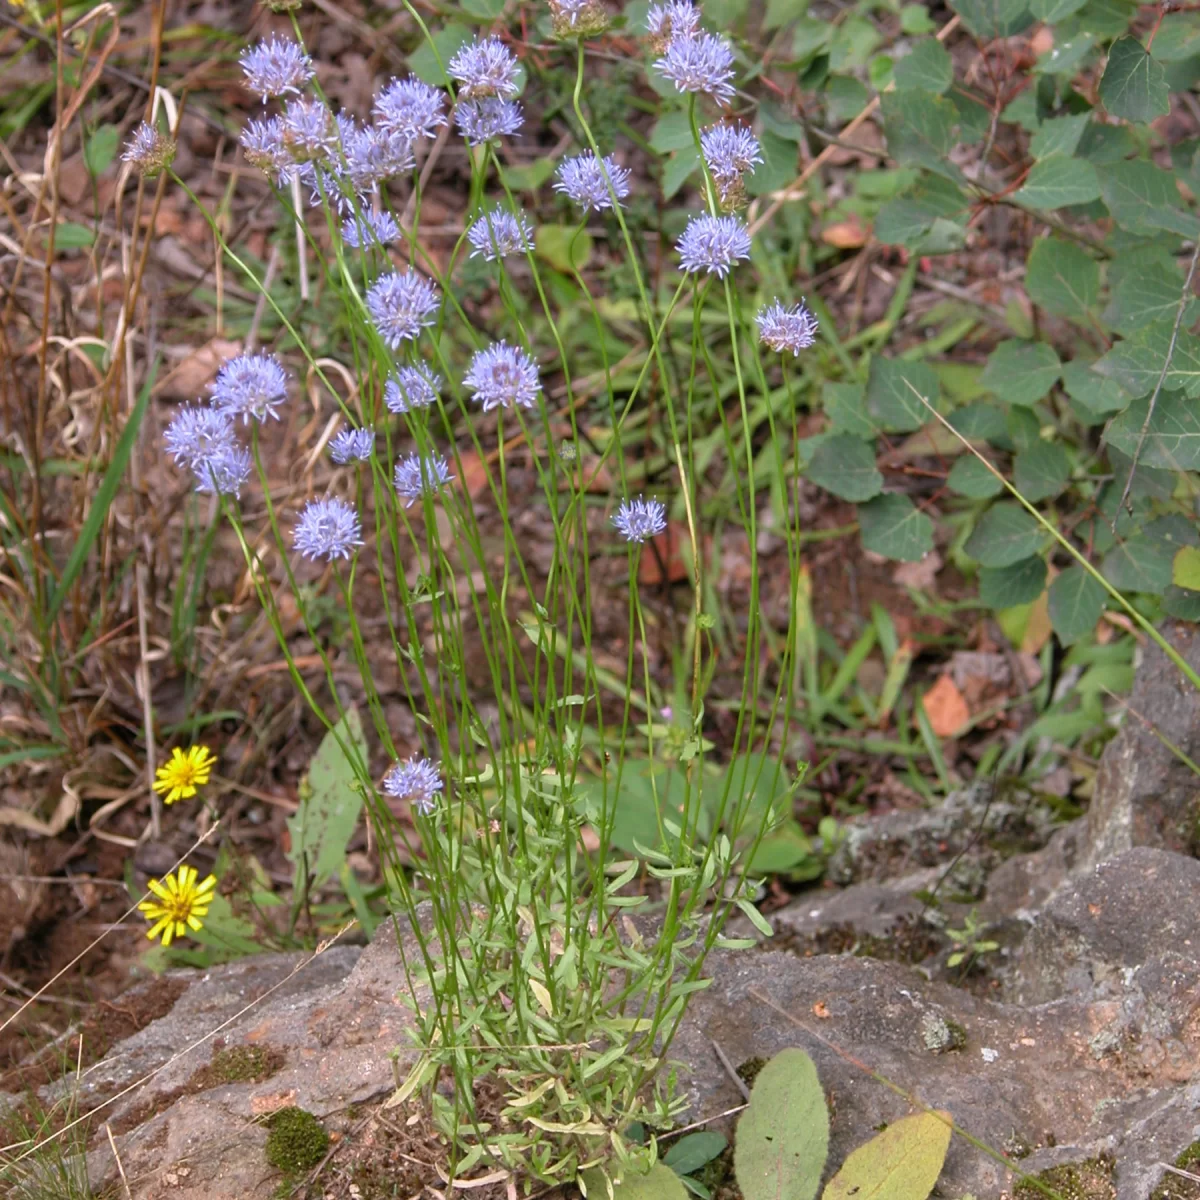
(297, 1141)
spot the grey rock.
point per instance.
(1144, 795)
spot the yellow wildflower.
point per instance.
(181, 904)
(184, 772)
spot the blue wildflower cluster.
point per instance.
(690, 57)
(592, 182)
(416, 781)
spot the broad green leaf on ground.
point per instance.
(920, 130)
(1006, 533)
(1142, 292)
(1134, 85)
(981, 421)
(659, 1183)
(691, 1152)
(969, 477)
(1182, 604)
(1100, 396)
(778, 166)
(786, 849)
(1051, 11)
(1185, 568)
(1143, 198)
(846, 409)
(901, 1163)
(1175, 529)
(1172, 438)
(1178, 37)
(1041, 471)
(564, 247)
(1062, 277)
(1076, 602)
(927, 68)
(783, 1136)
(990, 19)
(485, 10)
(1064, 58)
(331, 800)
(1140, 564)
(100, 148)
(672, 131)
(1058, 135)
(678, 170)
(423, 62)
(892, 526)
(1019, 583)
(891, 398)
(845, 466)
(1137, 362)
(1021, 372)
(1058, 180)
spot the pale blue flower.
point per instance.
(418, 781)
(226, 472)
(782, 329)
(730, 152)
(276, 66)
(410, 108)
(327, 529)
(485, 68)
(639, 520)
(416, 476)
(675, 19)
(592, 182)
(503, 375)
(485, 120)
(250, 386)
(497, 234)
(699, 63)
(365, 230)
(352, 445)
(401, 305)
(197, 433)
(413, 387)
(264, 148)
(309, 131)
(713, 244)
(149, 150)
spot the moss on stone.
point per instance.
(1175, 1187)
(1091, 1179)
(297, 1141)
(238, 1064)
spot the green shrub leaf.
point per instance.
(1063, 278)
(1076, 602)
(1172, 437)
(926, 67)
(890, 393)
(1005, 534)
(1021, 372)
(845, 466)
(1134, 85)
(1185, 569)
(988, 19)
(1019, 583)
(1137, 362)
(901, 1163)
(892, 526)
(783, 1137)
(1140, 564)
(969, 477)
(1041, 471)
(1058, 180)
(692, 1152)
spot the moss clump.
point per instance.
(1088, 1180)
(1175, 1187)
(749, 1070)
(238, 1064)
(297, 1141)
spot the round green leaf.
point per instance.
(1076, 602)
(1134, 85)
(1185, 569)
(1041, 471)
(1005, 535)
(1058, 180)
(845, 466)
(969, 477)
(1062, 278)
(1140, 564)
(926, 67)
(783, 1136)
(893, 527)
(1006, 587)
(1021, 372)
(894, 391)
(1172, 438)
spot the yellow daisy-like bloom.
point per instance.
(184, 772)
(181, 904)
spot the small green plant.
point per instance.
(972, 946)
(297, 1141)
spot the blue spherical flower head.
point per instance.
(730, 152)
(413, 387)
(264, 148)
(700, 63)
(416, 476)
(675, 19)
(327, 529)
(592, 182)
(276, 66)
(401, 304)
(309, 131)
(639, 520)
(484, 120)
(197, 433)
(784, 329)
(365, 230)
(502, 376)
(485, 68)
(226, 472)
(418, 781)
(149, 151)
(410, 107)
(250, 386)
(498, 234)
(352, 445)
(713, 244)
(374, 155)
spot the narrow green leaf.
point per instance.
(694, 1151)
(901, 1163)
(1005, 535)
(892, 526)
(100, 148)
(103, 498)
(1076, 602)
(1019, 583)
(845, 466)
(564, 247)
(331, 800)
(1134, 85)
(783, 1136)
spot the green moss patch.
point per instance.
(237, 1064)
(1175, 1187)
(1088, 1180)
(297, 1141)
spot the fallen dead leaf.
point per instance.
(846, 235)
(474, 476)
(946, 708)
(662, 558)
(196, 369)
(921, 575)
(821, 1010)
(1037, 632)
